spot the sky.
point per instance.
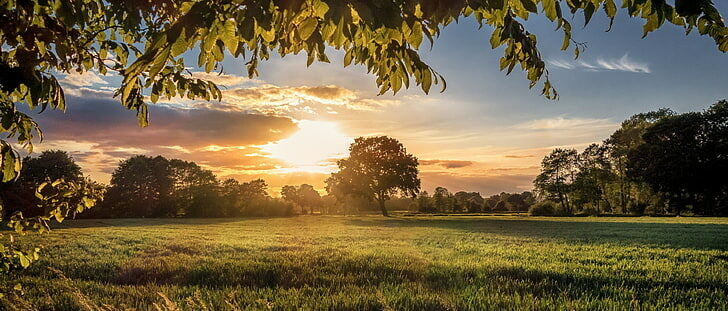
(487, 132)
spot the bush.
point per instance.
(547, 208)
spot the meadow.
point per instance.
(377, 263)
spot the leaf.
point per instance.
(549, 8)
(307, 27)
(529, 5)
(229, 36)
(24, 260)
(588, 13)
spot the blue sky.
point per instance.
(487, 132)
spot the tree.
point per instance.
(558, 172)
(377, 168)
(19, 196)
(471, 202)
(442, 200)
(621, 142)
(304, 196)
(195, 189)
(141, 186)
(424, 203)
(594, 174)
(684, 157)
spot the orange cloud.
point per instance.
(447, 163)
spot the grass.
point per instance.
(373, 263)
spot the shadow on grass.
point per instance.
(146, 222)
(336, 269)
(671, 235)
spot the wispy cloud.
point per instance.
(447, 163)
(561, 123)
(624, 63)
(87, 78)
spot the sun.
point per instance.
(312, 147)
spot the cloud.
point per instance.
(624, 63)
(561, 123)
(100, 132)
(447, 163)
(514, 156)
(223, 79)
(299, 101)
(87, 78)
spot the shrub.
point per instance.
(547, 208)
(543, 208)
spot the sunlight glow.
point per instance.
(314, 148)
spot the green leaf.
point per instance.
(307, 27)
(229, 36)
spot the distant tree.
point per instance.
(501, 206)
(443, 200)
(516, 202)
(141, 186)
(470, 202)
(230, 197)
(52, 164)
(254, 197)
(424, 203)
(377, 168)
(305, 196)
(309, 196)
(558, 172)
(195, 189)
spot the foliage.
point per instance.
(305, 196)
(443, 200)
(19, 195)
(51, 187)
(144, 186)
(544, 208)
(372, 263)
(657, 162)
(144, 42)
(59, 199)
(684, 157)
(558, 173)
(377, 168)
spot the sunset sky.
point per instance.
(486, 132)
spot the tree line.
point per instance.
(658, 162)
(444, 201)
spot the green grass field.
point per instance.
(373, 263)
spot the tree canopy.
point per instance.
(377, 168)
(143, 41)
(657, 162)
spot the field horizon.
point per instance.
(375, 263)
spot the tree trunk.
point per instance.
(383, 208)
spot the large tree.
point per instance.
(377, 168)
(558, 172)
(685, 158)
(141, 186)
